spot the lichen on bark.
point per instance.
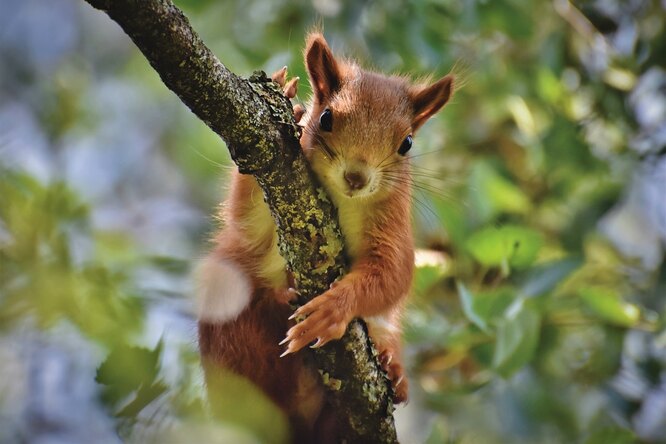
(256, 122)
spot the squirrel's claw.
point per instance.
(299, 111)
(288, 88)
(325, 322)
(291, 88)
(286, 352)
(285, 296)
(396, 375)
(385, 360)
(280, 76)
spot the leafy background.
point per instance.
(538, 309)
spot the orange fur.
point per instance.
(358, 163)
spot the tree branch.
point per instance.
(256, 122)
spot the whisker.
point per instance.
(443, 177)
(424, 169)
(425, 187)
(424, 209)
(319, 139)
(425, 175)
(390, 164)
(416, 171)
(213, 162)
(414, 156)
(415, 178)
(380, 164)
(419, 205)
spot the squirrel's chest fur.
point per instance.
(260, 228)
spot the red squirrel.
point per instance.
(357, 133)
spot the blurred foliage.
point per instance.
(39, 275)
(538, 312)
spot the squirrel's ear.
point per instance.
(322, 68)
(427, 101)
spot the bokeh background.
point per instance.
(538, 312)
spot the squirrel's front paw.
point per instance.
(289, 89)
(396, 374)
(327, 318)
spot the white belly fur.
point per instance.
(352, 220)
(260, 225)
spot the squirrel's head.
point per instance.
(359, 128)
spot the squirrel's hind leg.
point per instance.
(385, 333)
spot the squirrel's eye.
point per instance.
(406, 145)
(326, 120)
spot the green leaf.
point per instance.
(511, 244)
(126, 369)
(506, 17)
(170, 264)
(144, 396)
(467, 301)
(517, 339)
(548, 85)
(611, 435)
(483, 308)
(425, 277)
(493, 194)
(237, 401)
(451, 215)
(607, 304)
(420, 326)
(546, 277)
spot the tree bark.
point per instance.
(256, 122)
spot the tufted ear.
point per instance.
(426, 101)
(322, 67)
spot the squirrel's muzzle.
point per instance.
(356, 180)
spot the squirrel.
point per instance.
(356, 135)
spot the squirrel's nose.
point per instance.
(356, 179)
